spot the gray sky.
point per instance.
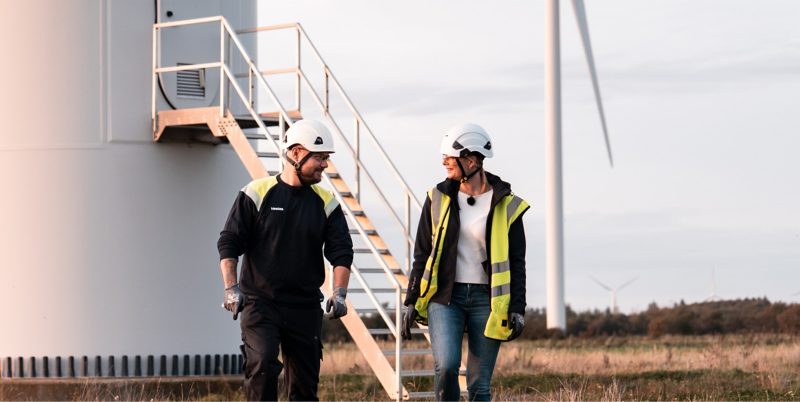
(701, 100)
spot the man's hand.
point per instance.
(337, 303)
(516, 323)
(408, 319)
(234, 300)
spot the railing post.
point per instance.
(155, 75)
(297, 81)
(409, 251)
(398, 365)
(250, 83)
(229, 60)
(357, 188)
(282, 127)
(221, 72)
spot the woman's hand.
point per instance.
(516, 323)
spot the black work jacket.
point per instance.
(283, 238)
(447, 264)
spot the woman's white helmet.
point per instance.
(465, 138)
(311, 134)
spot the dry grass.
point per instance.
(764, 353)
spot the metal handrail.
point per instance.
(358, 161)
(359, 119)
(378, 306)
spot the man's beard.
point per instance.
(309, 179)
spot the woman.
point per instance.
(469, 266)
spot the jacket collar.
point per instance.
(500, 188)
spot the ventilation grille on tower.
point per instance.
(191, 83)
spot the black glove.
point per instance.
(516, 323)
(234, 300)
(408, 319)
(337, 303)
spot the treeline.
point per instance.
(719, 317)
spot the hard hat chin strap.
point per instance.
(298, 166)
(464, 175)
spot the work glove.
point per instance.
(337, 303)
(234, 300)
(408, 319)
(516, 323)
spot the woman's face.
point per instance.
(450, 164)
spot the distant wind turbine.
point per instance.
(798, 293)
(613, 292)
(554, 202)
(713, 296)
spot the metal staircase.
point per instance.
(258, 148)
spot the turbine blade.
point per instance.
(627, 283)
(601, 284)
(583, 26)
(798, 293)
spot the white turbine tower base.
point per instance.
(554, 203)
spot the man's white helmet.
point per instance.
(311, 134)
(465, 138)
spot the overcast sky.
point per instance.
(701, 100)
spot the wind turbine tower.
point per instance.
(713, 296)
(554, 203)
(613, 309)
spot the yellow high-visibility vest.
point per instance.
(504, 214)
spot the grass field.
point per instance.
(741, 367)
(760, 367)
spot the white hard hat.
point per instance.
(465, 138)
(311, 134)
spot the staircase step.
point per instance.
(377, 271)
(368, 251)
(429, 395)
(259, 136)
(424, 373)
(407, 352)
(385, 331)
(376, 290)
(267, 154)
(346, 194)
(358, 213)
(369, 232)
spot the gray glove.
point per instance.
(408, 319)
(516, 323)
(234, 300)
(337, 303)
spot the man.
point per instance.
(282, 224)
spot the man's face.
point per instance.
(311, 172)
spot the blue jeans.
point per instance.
(469, 307)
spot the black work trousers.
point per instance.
(266, 327)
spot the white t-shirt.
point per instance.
(472, 238)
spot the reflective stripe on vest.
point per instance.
(327, 198)
(257, 189)
(504, 214)
(440, 206)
